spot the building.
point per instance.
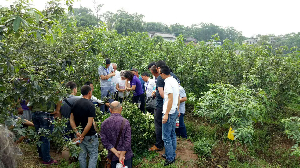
(165, 36)
(251, 41)
(190, 39)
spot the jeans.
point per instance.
(127, 163)
(106, 92)
(158, 127)
(181, 131)
(89, 145)
(169, 136)
(43, 125)
(135, 99)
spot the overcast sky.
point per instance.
(252, 17)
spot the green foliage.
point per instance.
(292, 129)
(238, 107)
(203, 147)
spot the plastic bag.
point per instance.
(119, 165)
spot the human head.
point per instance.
(8, 150)
(145, 76)
(115, 107)
(135, 71)
(115, 66)
(122, 73)
(159, 64)
(129, 75)
(86, 91)
(88, 83)
(154, 71)
(107, 62)
(164, 72)
(72, 86)
(150, 65)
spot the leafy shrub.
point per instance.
(238, 107)
(203, 147)
(292, 129)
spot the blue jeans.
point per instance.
(89, 145)
(106, 92)
(181, 131)
(169, 136)
(43, 125)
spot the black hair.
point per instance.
(88, 83)
(71, 85)
(145, 74)
(165, 70)
(85, 89)
(129, 75)
(151, 64)
(160, 63)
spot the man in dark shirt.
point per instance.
(160, 83)
(83, 114)
(110, 129)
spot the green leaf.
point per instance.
(17, 23)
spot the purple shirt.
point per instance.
(138, 90)
(110, 129)
(24, 105)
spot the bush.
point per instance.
(203, 147)
(238, 107)
(292, 129)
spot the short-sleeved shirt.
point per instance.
(138, 90)
(65, 108)
(115, 79)
(149, 86)
(82, 110)
(171, 86)
(24, 105)
(121, 86)
(182, 105)
(105, 71)
(161, 83)
(142, 83)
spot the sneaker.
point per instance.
(154, 148)
(50, 162)
(167, 162)
(164, 156)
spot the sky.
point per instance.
(251, 17)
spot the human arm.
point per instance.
(131, 88)
(161, 92)
(169, 106)
(88, 126)
(105, 141)
(57, 113)
(118, 88)
(73, 125)
(106, 77)
(183, 99)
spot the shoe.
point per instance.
(154, 148)
(50, 162)
(167, 162)
(164, 156)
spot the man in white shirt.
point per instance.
(149, 84)
(115, 79)
(170, 113)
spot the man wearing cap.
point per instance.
(106, 73)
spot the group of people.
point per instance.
(164, 89)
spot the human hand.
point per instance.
(118, 153)
(178, 113)
(122, 159)
(165, 119)
(153, 94)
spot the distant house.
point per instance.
(190, 39)
(216, 44)
(251, 41)
(165, 36)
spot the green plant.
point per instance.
(292, 129)
(238, 107)
(203, 147)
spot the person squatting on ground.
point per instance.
(136, 86)
(106, 73)
(83, 114)
(170, 113)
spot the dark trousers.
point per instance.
(158, 127)
(43, 126)
(127, 163)
(181, 131)
(136, 99)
